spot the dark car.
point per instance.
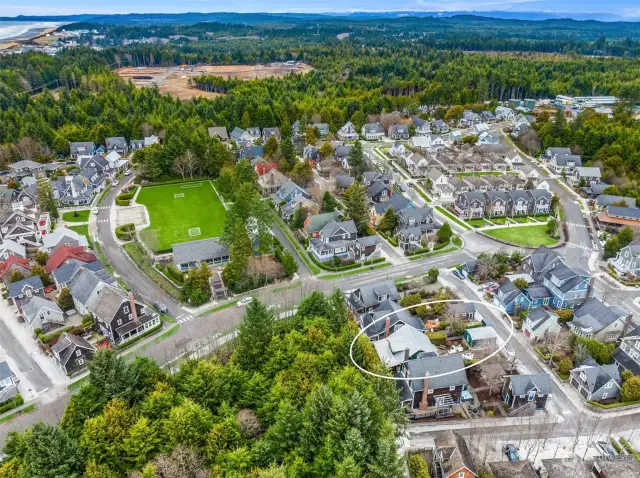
(160, 307)
(512, 452)
(458, 274)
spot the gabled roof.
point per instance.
(396, 202)
(317, 221)
(333, 226)
(624, 212)
(482, 333)
(85, 147)
(559, 151)
(563, 160)
(370, 128)
(14, 260)
(608, 199)
(200, 250)
(117, 141)
(402, 344)
(540, 316)
(67, 345)
(68, 270)
(219, 132)
(376, 188)
(5, 371)
(513, 469)
(13, 246)
(435, 366)
(596, 315)
(36, 304)
(598, 375)
(84, 284)
(523, 384)
(106, 303)
(20, 287)
(64, 253)
(542, 257)
(510, 291)
(417, 213)
(369, 294)
(454, 447)
(63, 235)
(344, 181)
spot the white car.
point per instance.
(115, 183)
(245, 301)
(94, 211)
(273, 306)
(127, 172)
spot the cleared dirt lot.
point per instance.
(175, 80)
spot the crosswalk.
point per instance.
(102, 220)
(573, 224)
(578, 246)
(104, 208)
(184, 318)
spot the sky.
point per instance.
(626, 9)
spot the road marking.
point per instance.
(577, 246)
(185, 318)
(104, 207)
(576, 225)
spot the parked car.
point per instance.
(127, 172)
(115, 182)
(160, 307)
(458, 274)
(245, 301)
(512, 452)
(94, 211)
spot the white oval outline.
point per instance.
(464, 301)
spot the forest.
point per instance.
(283, 401)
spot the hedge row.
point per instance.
(126, 232)
(346, 267)
(629, 448)
(440, 245)
(438, 337)
(174, 181)
(415, 252)
(124, 199)
(613, 405)
(140, 337)
(374, 261)
(11, 403)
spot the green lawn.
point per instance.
(84, 230)
(498, 220)
(171, 217)
(82, 216)
(459, 222)
(477, 222)
(531, 236)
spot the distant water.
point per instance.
(23, 30)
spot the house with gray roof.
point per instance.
(569, 287)
(287, 192)
(219, 132)
(72, 353)
(10, 248)
(26, 168)
(520, 390)
(587, 175)
(399, 131)
(439, 126)
(470, 204)
(117, 144)
(565, 163)
(65, 273)
(241, 137)
(539, 323)
(605, 200)
(596, 320)
(406, 343)
(82, 286)
(368, 298)
(149, 140)
(451, 457)
(43, 314)
(25, 289)
(540, 262)
(627, 354)
(81, 148)
(481, 337)
(550, 153)
(596, 382)
(372, 131)
(335, 239)
(396, 202)
(68, 237)
(427, 384)
(388, 318)
(504, 113)
(270, 132)
(322, 129)
(136, 145)
(626, 262)
(422, 127)
(343, 181)
(187, 255)
(347, 132)
(513, 469)
(8, 382)
(315, 223)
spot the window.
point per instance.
(78, 352)
(461, 474)
(430, 390)
(130, 316)
(80, 361)
(609, 385)
(119, 322)
(451, 389)
(126, 309)
(604, 395)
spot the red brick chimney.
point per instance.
(424, 401)
(387, 327)
(132, 306)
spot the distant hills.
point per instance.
(258, 18)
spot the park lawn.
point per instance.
(171, 217)
(530, 236)
(521, 219)
(84, 230)
(83, 216)
(477, 222)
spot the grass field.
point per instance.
(531, 236)
(82, 216)
(171, 217)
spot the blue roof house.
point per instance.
(511, 299)
(568, 287)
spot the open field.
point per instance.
(528, 236)
(76, 216)
(175, 80)
(172, 217)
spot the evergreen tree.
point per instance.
(271, 147)
(50, 453)
(329, 204)
(45, 199)
(41, 257)
(310, 135)
(314, 421)
(288, 152)
(444, 234)
(254, 335)
(356, 159)
(388, 221)
(188, 424)
(141, 443)
(240, 252)
(357, 206)
(108, 373)
(95, 470)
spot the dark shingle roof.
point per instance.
(19, 287)
(455, 447)
(201, 250)
(438, 365)
(597, 315)
(522, 384)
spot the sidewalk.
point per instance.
(541, 419)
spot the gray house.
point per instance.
(219, 132)
(372, 132)
(42, 314)
(399, 131)
(596, 382)
(335, 239)
(72, 352)
(519, 390)
(8, 382)
(368, 298)
(117, 144)
(596, 320)
(25, 288)
(378, 328)
(84, 148)
(187, 255)
(627, 355)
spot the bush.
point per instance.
(565, 366)
(601, 352)
(564, 315)
(11, 403)
(630, 390)
(437, 338)
(418, 467)
(126, 232)
(324, 266)
(374, 261)
(415, 252)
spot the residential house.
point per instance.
(314, 224)
(542, 199)
(615, 467)
(585, 175)
(497, 203)
(368, 298)
(398, 150)
(26, 168)
(219, 132)
(451, 457)
(605, 200)
(481, 337)
(271, 182)
(43, 314)
(371, 177)
(12, 263)
(511, 299)
(421, 127)
(423, 143)
(341, 155)
(252, 152)
(487, 138)
(269, 132)
(411, 238)
(301, 203)
(287, 192)
(618, 217)
(440, 186)
(520, 390)
(64, 274)
(406, 343)
(187, 255)
(470, 118)
(488, 116)
(263, 167)
(347, 132)
(136, 145)
(8, 383)
(117, 144)
(379, 192)
(153, 139)
(311, 153)
(388, 318)
(627, 354)
(440, 127)
(504, 114)
(528, 173)
(83, 148)
(63, 236)
(25, 289)
(343, 181)
(519, 202)
(416, 164)
(565, 163)
(462, 310)
(626, 262)
(254, 133)
(82, 286)
(322, 129)
(592, 192)
(541, 261)
(596, 382)
(551, 153)
(65, 253)
(513, 469)
(21, 228)
(10, 248)
(539, 323)
(569, 287)
(399, 131)
(574, 467)
(596, 320)
(377, 210)
(241, 137)
(514, 160)
(431, 387)
(334, 239)
(372, 132)
(470, 204)
(72, 352)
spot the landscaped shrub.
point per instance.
(175, 274)
(126, 232)
(374, 261)
(417, 251)
(11, 403)
(437, 338)
(326, 267)
(418, 467)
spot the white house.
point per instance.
(372, 132)
(347, 132)
(627, 261)
(596, 320)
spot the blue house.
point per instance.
(511, 299)
(288, 191)
(250, 152)
(538, 296)
(568, 287)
